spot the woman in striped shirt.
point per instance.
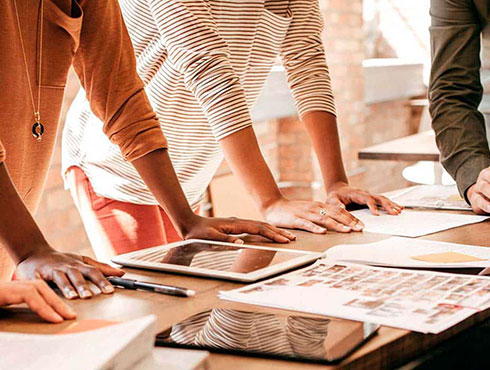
(204, 63)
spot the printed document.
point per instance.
(414, 223)
(422, 301)
(432, 196)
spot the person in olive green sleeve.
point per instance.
(455, 93)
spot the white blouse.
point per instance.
(204, 63)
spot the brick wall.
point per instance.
(360, 125)
(284, 142)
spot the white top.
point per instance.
(204, 63)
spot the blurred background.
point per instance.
(378, 52)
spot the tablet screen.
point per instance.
(265, 334)
(218, 257)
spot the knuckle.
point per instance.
(304, 223)
(39, 283)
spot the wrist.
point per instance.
(185, 223)
(335, 185)
(266, 204)
(38, 248)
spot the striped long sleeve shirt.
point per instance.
(204, 63)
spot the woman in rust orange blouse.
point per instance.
(39, 41)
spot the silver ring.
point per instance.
(323, 212)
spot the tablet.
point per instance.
(245, 263)
(290, 337)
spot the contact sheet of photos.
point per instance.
(422, 301)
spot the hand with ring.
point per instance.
(315, 217)
(342, 194)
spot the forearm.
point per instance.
(19, 233)
(322, 129)
(243, 154)
(157, 172)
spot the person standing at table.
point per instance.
(39, 40)
(455, 93)
(204, 64)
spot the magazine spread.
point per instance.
(422, 301)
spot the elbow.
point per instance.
(138, 140)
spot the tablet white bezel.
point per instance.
(307, 256)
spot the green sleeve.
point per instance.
(455, 90)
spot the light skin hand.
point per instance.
(479, 193)
(39, 297)
(306, 215)
(323, 132)
(343, 194)
(29, 249)
(243, 154)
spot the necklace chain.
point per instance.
(37, 115)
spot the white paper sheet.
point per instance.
(422, 301)
(414, 223)
(399, 252)
(433, 197)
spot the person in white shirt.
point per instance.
(204, 63)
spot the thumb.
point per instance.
(106, 269)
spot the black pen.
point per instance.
(151, 287)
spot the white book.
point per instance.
(175, 359)
(115, 347)
(412, 253)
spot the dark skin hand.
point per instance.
(70, 272)
(34, 256)
(171, 198)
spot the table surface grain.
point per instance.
(389, 347)
(413, 148)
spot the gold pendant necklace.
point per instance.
(37, 127)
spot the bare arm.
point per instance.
(19, 232)
(117, 97)
(304, 59)
(243, 154)
(171, 197)
(26, 244)
(324, 135)
(322, 128)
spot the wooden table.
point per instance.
(390, 347)
(413, 148)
